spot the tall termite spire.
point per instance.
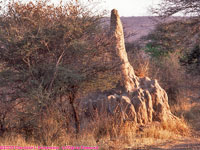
(129, 79)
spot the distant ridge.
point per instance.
(139, 26)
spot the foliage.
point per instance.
(155, 52)
(181, 36)
(164, 67)
(169, 45)
(48, 52)
(138, 59)
(192, 60)
(172, 76)
(172, 36)
(170, 7)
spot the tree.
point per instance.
(47, 53)
(170, 7)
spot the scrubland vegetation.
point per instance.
(51, 56)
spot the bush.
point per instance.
(155, 52)
(173, 51)
(165, 67)
(191, 60)
(138, 59)
(171, 75)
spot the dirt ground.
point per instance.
(184, 144)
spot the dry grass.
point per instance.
(104, 133)
(190, 111)
(15, 140)
(133, 136)
(140, 63)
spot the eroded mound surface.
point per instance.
(149, 102)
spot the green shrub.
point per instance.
(155, 51)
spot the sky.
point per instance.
(124, 7)
(131, 7)
(127, 7)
